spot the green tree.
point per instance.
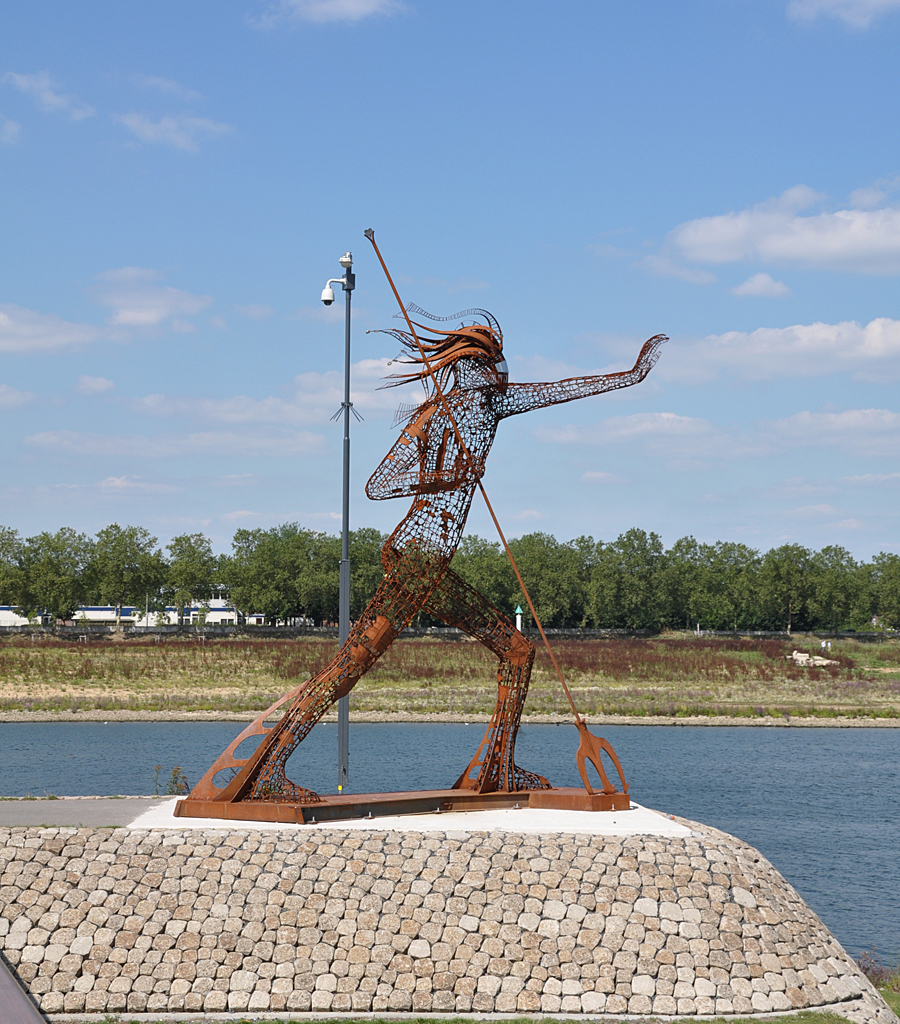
(627, 586)
(283, 573)
(10, 565)
(553, 573)
(319, 557)
(366, 570)
(53, 575)
(728, 585)
(683, 580)
(785, 581)
(483, 565)
(126, 566)
(887, 587)
(193, 571)
(834, 585)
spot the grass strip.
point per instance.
(667, 676)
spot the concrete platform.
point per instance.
(80, 812)
(489, 914)
(638, 821)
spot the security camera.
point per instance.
(346, 261)
(328, 295)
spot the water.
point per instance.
(821, 804)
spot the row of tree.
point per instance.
(632, 582)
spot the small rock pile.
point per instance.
(107, 921)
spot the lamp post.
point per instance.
(348, 282)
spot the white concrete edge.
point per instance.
(246, 1017)
(526, 820)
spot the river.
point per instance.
(822, 804)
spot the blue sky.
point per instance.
(179, 180)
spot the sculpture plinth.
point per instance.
(377, 805)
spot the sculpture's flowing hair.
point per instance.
(473, 341)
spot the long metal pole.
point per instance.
(370, 234)
(344, 595)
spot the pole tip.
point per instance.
(370, 234)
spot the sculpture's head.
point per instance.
(471, 353)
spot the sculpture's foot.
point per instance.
(278, 789)
(529, 780)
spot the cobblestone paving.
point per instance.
(106, 921)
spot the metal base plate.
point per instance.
(379, 805)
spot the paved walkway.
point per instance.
(79, 811)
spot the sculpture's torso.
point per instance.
(428, 464)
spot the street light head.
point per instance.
(346, 261)
(328, 295)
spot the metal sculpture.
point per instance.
(437, 461)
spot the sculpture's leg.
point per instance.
(262, 775)
(493, 767)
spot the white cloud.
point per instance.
(867, 198)
(12, 398)
(325, 10)
(656, 431)
(866, 479)
(224, 443)
(812, 511)
(856, 13)
(865, 241)
(316, 397)
(93, 385)
(761, 285)
(870, 352)
(872, 432)
(134, 485)
(41, 88)
(666, 267)
(9, 131)
(137, 302)
(238, 409)
(167, 87)
(326, 390)
(181, 131)
(255, 311)
(23, 330)
(684, 440)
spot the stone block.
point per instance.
(322, 1000)
(259, 1001)
(52, 1002)
(215, 1002)
(419, 949)
(238, 1001)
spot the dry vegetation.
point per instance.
(663, 676)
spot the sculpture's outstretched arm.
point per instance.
(525, 397)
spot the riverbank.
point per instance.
(677, 678)
(409, 717)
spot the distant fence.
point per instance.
(92, 633)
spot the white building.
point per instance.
(217, 612)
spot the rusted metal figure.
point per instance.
(437, 461)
